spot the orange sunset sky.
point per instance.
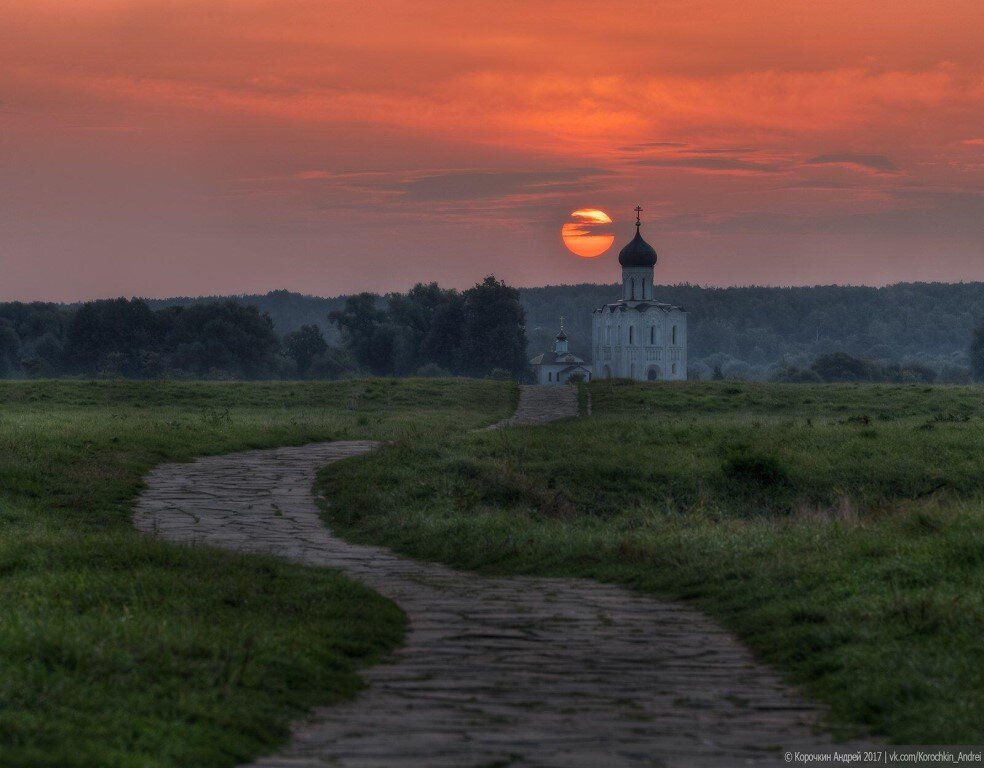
(184, 147)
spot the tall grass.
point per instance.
(839, 530)
(118, 650)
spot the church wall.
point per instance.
(551, 374)
(629, 344)
(637, 284)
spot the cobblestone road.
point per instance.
(494, 671)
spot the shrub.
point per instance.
(839, 366)
(758, 470)
(500, 374)
(433, 371)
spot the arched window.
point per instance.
(674, 335)
(674, 367)
(632, 284)
(549, 375)
(652, 334)
(630, 334)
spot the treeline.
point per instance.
(126, 338)
(427, 331)
(840, 367)
(754, 332)
(435, 331)
(289, 311)
(748, 333)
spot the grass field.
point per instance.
(838, 530)
(117, 650)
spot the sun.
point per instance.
(588, 233)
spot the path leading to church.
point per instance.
(494, 671)
(540, 404)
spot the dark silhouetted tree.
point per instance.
(9, 347)
(110, 337)
(839, 366)
(492, 334)
(303, 346)
(222, 340)
(366, 332)
(442, 344)
(977, 352)
(333, 363)
(421, 319)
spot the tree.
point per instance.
(9, 347)
(977, 352)
(222, 339)
(303, 346)
(333, 363)
(840, 366)
(442, 344)
(493, 333)
(790, 374)
(425, 331)
(112, 336)
(366, 332)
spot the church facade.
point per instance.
(560, 364)
(638, 337)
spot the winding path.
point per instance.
(494, 671)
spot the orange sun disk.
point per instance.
(588, 234)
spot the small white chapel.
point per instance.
(560, 364)
(638, 337)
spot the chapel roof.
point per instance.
(556, 358)
(578, 367)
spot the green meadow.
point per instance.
(118, 650)
(837, 530)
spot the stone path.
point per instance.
(540, 404)
(494, 671)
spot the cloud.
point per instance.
(481, 184)
(648, 145)
(706, 159)
(711, 164)
(320, 117)
(878, 163)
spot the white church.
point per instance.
(559, 365)
(635, 337)
(638, 337)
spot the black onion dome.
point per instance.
(638, 253)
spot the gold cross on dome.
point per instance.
(638, 210)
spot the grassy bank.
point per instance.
(117, 650)
(838, 530)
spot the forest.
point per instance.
(755, 332)
(907, 331)
(428, 331)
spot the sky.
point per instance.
(193, 147)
